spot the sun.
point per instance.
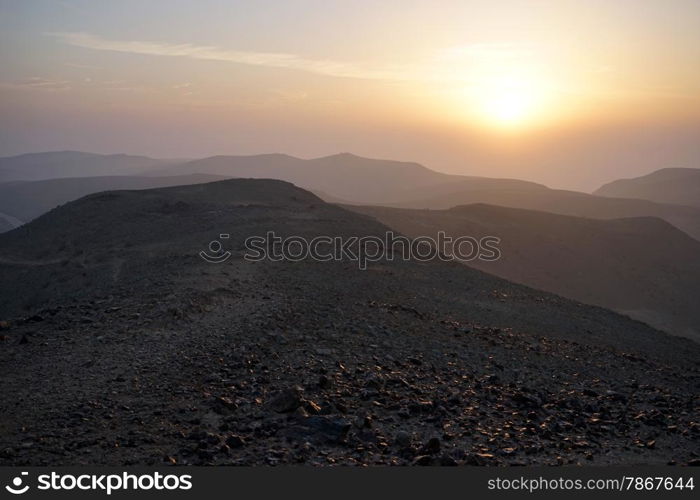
(508, 107)
(502, 90)
(507, 99)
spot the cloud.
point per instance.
(36, 82)
(212, 53)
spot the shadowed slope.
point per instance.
(307, 362)
(643, 267)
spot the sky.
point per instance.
(568, 93)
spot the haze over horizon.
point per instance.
(568, 94)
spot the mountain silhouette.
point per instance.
(50, 165)
(26, 200)
(680, 186)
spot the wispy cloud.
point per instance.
(213, 53)
(40, 83)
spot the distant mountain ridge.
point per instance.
(668, 185)
(341, 178)
(50, 165)
(26, 200)
(344, 176)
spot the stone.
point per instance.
(286, 400)
(235, 441)
(402, 439)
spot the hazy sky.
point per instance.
(569, 93)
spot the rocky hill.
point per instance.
(120, 345)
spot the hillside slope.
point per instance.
(563, 202)
(643, 267)
(122, 346)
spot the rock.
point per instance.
(196, 435)
(447, 461)
(432, 446)
(319, 429)
(235, 441)
(616, 396)
(374, 382)
(402, 439)
(367, 436)
(300, 412)
(526, 401)
(311, 407)
(286, 400)
(223, 405)
(422, 460)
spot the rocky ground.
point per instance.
(119, 345)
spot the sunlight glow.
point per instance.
(509, 101)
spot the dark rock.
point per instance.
(423, 460)
(447, 461)
(432, 446)
(235, 441)
(374, 382)
(320, 429)
(402, 439)
(286, 400)
(223, 405)
(616, 396)
(526, 401)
